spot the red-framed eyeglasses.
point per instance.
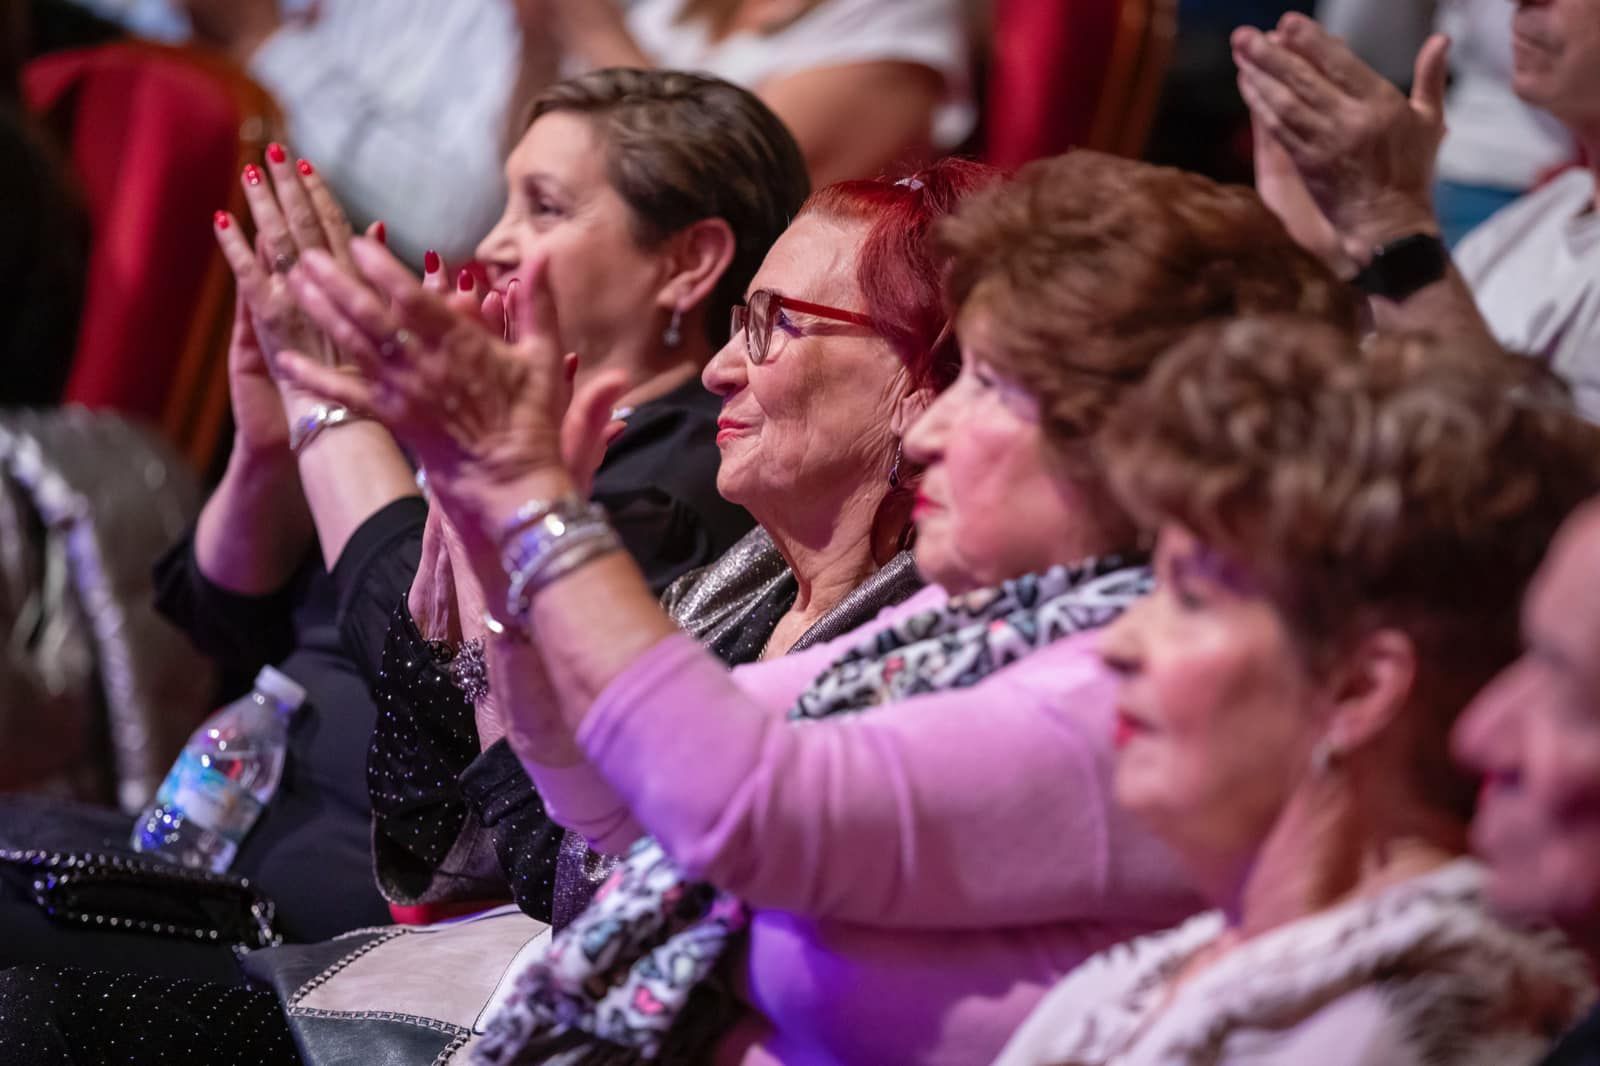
(757, 317)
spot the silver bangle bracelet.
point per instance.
(309, 427)
(556, 556)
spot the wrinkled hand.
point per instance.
(260, 425)
(584, 438)
(293, 213)
(1364, 151)
(447, 603)
(479, 411)
(1283, 190)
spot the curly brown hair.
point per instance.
(1412, 483)
(1086, 267)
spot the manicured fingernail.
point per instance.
(276, 153)
(305, 167)
(252, 174)
(380, 233)
(464, 281)
(220, 220)
(430, 262)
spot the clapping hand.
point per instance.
(477, 409)
(1363, 150)
(294, 212)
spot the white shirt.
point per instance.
(401, 104)
(1534, 269)
(1492, 138)
(834, 33)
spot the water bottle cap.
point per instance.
(280, 687)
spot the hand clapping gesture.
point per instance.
(1362, 150)
(479, 407)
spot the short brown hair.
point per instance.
(686, 147)
(1088, 266)
(1411, 483)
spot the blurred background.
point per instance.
(123, 127)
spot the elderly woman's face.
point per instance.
(989, 507)
(1534, 735)
(1213, 730)
(812, 422)
(560, 203)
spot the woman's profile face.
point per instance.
(812, 422)
(560, 203)
(989, 505)
(1215, 723)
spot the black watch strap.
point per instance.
(1403, 266)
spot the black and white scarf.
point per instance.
(631, 978)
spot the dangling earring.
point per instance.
(894, 471)
(1323, 757)
(674, 334)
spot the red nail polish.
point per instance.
(220, 220)
(465, 282)
(276, 153)
(305, 167)
(380, 233)
(252, 174)
(430, 262)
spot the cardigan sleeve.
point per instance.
(901, 797)
(579, 797)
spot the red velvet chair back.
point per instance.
(1075, 74)
(157, 136)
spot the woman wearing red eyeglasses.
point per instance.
(805, 883)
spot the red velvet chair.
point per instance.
(1074, 73)
(157, 136)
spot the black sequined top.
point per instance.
(453, 824)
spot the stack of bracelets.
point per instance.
(543, 542)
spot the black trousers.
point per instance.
(52, 1016)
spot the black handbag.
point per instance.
(135, 894)
(73, 863)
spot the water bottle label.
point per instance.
(208, 798)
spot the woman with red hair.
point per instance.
(882, 848)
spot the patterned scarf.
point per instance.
(631, 979)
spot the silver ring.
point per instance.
(282, 263)
(395, 344)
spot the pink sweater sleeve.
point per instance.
(981, 807)
(580, 799)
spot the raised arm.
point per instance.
(255, 530)
(1346, 160)
(764, 807)
(349, 471)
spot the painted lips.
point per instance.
(727, 429)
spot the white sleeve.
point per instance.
(1386, 34)
(402, 105)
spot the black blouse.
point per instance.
(455, 825)
(452, 823)
(311, 850)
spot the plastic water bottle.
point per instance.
(226, 775)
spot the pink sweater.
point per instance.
(921, 873)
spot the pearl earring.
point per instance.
(674, 333)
